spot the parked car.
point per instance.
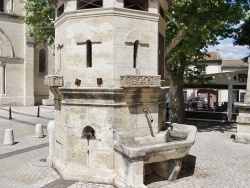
(197, 103)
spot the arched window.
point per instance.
(136, 45)
(89, 53)
(86, 4)
(1, 5)
(42, 60)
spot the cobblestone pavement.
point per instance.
(220, 162)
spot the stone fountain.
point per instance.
(243, 119)
(109, 94)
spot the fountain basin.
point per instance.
(164, 153)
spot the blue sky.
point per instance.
(228, 51)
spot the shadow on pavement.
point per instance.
(35, 111)
(60, 183)
(21, 121)
(204, 126)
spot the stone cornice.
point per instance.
(122, 12)
(140, 81)
(12, 60)
(11, 16)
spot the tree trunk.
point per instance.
(176, 105)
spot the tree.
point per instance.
(40, 17)
(192, 26)
(242, 35)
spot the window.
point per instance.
(60, 10)
(1, 5)
(161, 57)
(89, 53)
(202, 70)
(136, 44)
(162, 13)
(136, 4)
(86, 4)
(42, 60)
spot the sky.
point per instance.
(228, 51)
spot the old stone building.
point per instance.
(23, 61)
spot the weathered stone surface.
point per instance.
(112, 53)
(48, 102)
(53, 80)
(165, 157)
(135, 81)
(168, 170)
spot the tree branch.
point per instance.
(180, 35)
(175, 41)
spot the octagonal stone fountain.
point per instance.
(109, 94)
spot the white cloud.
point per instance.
(231, 56)
(228, 51)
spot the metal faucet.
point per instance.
(149, 114)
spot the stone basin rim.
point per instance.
(143, 150)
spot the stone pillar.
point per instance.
(29, 73)
(51, 131)
(11, 5)
(2, 79)
(243, 119)
(125, 176)
(230, 103)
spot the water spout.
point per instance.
(149, 115)
(150, 120)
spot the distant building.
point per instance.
(23, 61)
(215, 65)
(233, 65)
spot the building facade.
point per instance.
(216, 65)
(23, 61)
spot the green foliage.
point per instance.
(242, 36)
(193, 25)
(40, 18)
